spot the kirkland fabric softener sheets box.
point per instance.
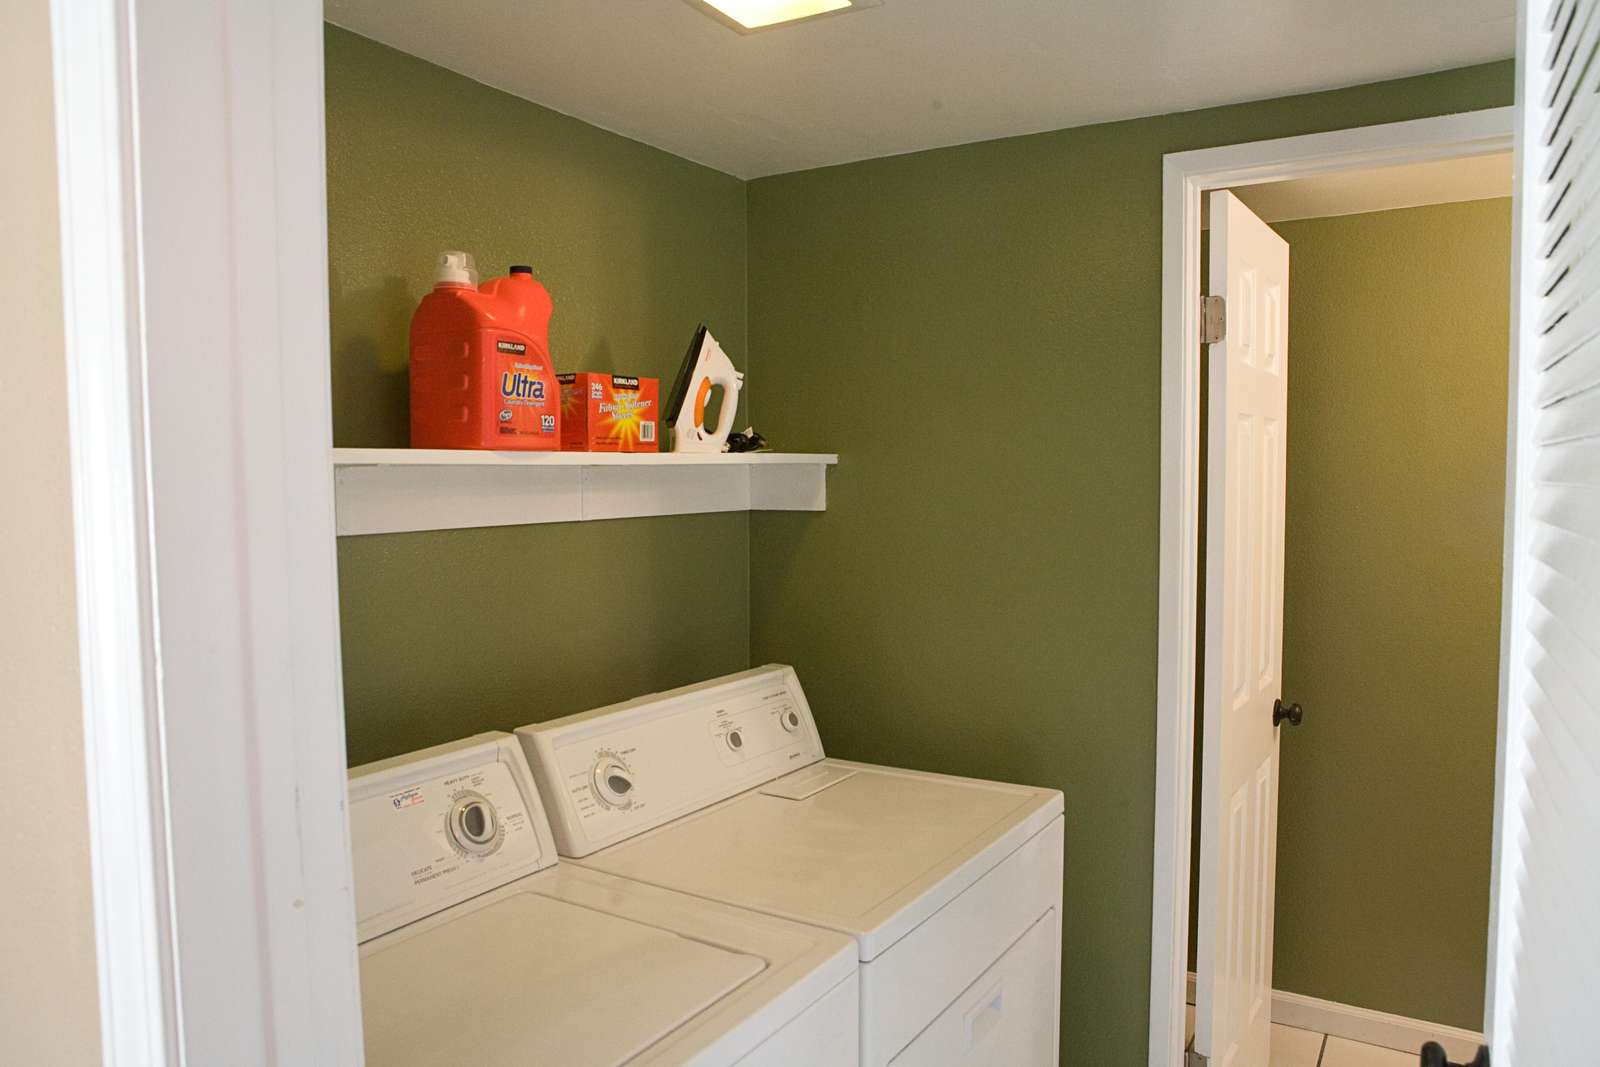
(609, 412)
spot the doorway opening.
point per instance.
(1462, 159)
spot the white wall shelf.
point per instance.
(404, 490)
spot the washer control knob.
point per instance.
(790, 720)
(474, 825)
(613, 784)
(735, 740)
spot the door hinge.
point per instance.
(1213, 319)
(1191, 1058)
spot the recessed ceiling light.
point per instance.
(747, 15)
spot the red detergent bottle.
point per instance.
(480, 362)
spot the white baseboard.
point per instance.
(1365, 1025)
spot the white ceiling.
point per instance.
(916, 74)
(1444, 181)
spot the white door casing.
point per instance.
(1244, 637)
(1186, 178)
(194, 255)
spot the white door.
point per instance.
(1243, 638)
(1544, 958)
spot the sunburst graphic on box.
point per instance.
(628, 418)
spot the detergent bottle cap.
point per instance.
(456, 268)
(522, 269)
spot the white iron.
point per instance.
(704, 366)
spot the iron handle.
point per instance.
(1282, 711)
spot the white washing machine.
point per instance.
(479, 948)
(951, 887)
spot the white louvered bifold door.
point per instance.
(1544, 1006)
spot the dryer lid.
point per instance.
(872, 853)
(525, 978)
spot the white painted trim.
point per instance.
(194, 256)
(1185, 176)
(124, 779)
(1372, 1027)
(1505, 847)
(399, 490)
(453, 457)
(1365, 1025)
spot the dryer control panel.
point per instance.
(612, 773)
(435, 827)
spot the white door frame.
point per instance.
(194, 257)
(1186, 176)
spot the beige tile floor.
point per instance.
(1306, 1048)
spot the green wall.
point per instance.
(448, 633)
(976, 331)
(1397, 421)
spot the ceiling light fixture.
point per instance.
(749, 15)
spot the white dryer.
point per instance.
(951, 887)
(479, 948)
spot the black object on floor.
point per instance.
(1433, 1056)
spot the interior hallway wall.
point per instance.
(977, 331)
(49, 984)
(452, 632)
(1399, 338)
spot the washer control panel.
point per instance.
(433, 828)
(609, 774)
(474, 824)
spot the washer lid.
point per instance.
(530, 979)
(871, 854)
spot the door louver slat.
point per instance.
(1557, 11)
(1560, 19)
(1576, 418)
(1567, 62)
(1569, 377)
(1576, 173)
(1570, 334)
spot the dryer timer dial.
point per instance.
(613, 783)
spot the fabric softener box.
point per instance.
(609, 413)
(480, 363)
